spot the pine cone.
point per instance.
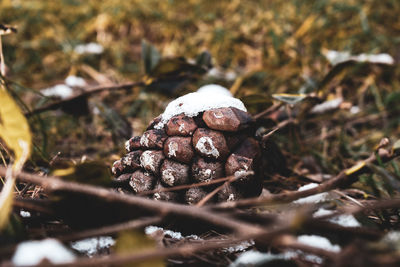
(199, 138)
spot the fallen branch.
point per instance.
(151, 254)
(53, 184)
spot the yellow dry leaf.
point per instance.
(135, 242)
(355, 168)
(6, 198)
(306, 26)
(64, 172)
(14, 131)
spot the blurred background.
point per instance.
(255, 48)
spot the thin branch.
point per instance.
(110, 229)
(187, 186)
(268, 111)
(52, 184)
(151, 254)
(86, 93)
(278, 127)
(33, 205)
(344, 178)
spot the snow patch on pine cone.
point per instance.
(207, 97)
(205, 145)
(147, 160)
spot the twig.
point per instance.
(151, 254)
(345, 177)
(52, 184)
(106, 230)
(187, 186)
(290, 242)
(268, 110)
(278, 127)
(216, 190)
(32, 205)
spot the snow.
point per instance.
(214, 89)
(149, 230)
(75, 81)
(336, 57)
(240, 247)
(91, 246)
(60, 90)
(255, 258)
(172, 148)
(327, 106)
(181, 128)
(144, 140)
(127, 146)
(318, 242)
(215, 73)
(392, 238)
(64, 90)
(355, 110)
(33, 252)
(147, 160)
(314, 198)
(205, 174)
(90, 48)
(208, 97)
(168, 176)
(25, 214)
(201, 146)
(322, 212)
(345, 220)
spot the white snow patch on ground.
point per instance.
(328, 105)
(393, 238)
(91, 246)
(25, 214)
(73, 80)
(322, 212)
(90, 48)
(314, 198)
(318, 242)
(192, 104)
(149, 230)
(33, 252)
(336, 57)
(255, 258)
(355, 110)
(60, 90)
(64, 90)
(346, 220)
